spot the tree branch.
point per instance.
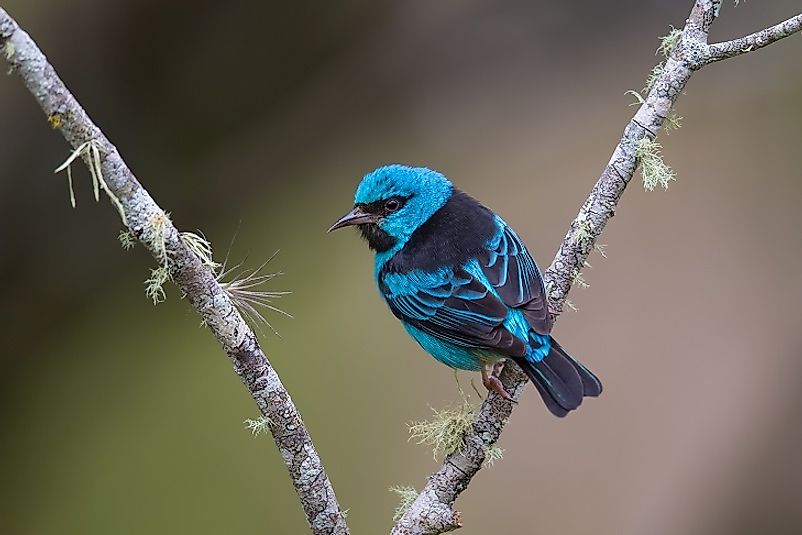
(432, 511)
(142, 216)
(753, 41)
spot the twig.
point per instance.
(432, 511)
(753, 41)
(138, 212)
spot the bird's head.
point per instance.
(393, 201)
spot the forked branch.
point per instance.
(432, 511)
(753, 41)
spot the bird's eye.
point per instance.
(392, 205)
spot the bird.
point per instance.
(462, 282)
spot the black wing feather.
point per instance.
(462, 311)
(513, 273)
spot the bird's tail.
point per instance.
(561, 380)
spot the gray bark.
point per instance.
(204, 293)
(753, 41)
(432, 511)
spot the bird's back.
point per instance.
(458, 232)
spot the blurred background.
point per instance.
(260, 118)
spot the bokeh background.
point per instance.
(258, 119)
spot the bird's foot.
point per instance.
(498, 366)
(492, 383)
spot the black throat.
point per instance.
(377, 239)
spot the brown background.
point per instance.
(118, 417)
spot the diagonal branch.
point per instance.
(753, 41)
(142, 215)
(432, 511)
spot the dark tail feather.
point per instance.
(590, 383)
(561, 381)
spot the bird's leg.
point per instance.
(491, 381)
(498, 366)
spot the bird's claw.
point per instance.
(497, 367)
(493, 384)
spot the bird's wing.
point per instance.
(452, 305)
(517, 279)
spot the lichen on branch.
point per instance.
(182, 261)
(686, 51)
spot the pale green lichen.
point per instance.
(492, 454)
(654, 170)
(445, 432)
(407, 497)
(673, 122)
(199, 245)
(669, 42)
(655, 73)
(601, 249)
(90, 150)
(638, 97)
(9, 50)
(127, 239)
(157, 235)
(579, 280)
(243, 290)
(568, 303)
(154, 285)
(258, 426)
(584, 228)
(69, 185)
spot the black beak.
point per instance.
(357, 216)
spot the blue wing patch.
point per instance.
(516, 278)
(452, 305)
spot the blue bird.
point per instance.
(462, 282)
